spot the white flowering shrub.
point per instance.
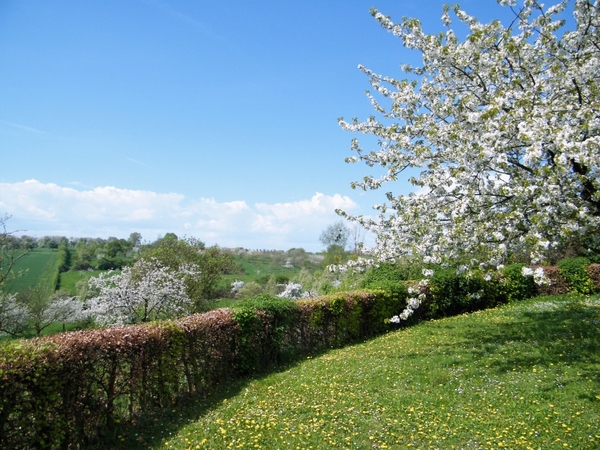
(60, 307)
(538, 275)
(144, 292)
(236, 286)
(291, 290)
(504, 131)
(13, 315)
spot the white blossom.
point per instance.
(527, 271)
(236, 286)
(428, 273)
(291, 290)
(13, 315)
(144, 292)
(539, 276)
(504, 131)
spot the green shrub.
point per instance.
(64, 258)
(282, 279)
(114, 263)
(515, 284)
(393, 295)
(451, 293)
(594, 258)
(390, 299)
(573, 270)
(389, 272)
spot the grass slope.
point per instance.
(521, 376)
(40, 265)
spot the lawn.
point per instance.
(521, 376)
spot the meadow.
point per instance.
(260, 266)
(70, 279)
(39, 265)
(525, 375)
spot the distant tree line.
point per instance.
(139, 282)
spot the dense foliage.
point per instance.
(73, 388)
(574, 271)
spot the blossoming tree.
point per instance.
(292, 290)
(13, 316)
(144, 292)
(503, 130)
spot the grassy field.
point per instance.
(263, 265)
(69, 280)
(38, 265)
(524, 376)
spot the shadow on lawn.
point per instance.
(149, 431)
(559, 332)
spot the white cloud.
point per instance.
(48, 209)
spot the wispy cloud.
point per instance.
(139, 163)
(178, 15)
(50, 209)
(189, 20)
(21, 127)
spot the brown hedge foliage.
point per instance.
(208, 349)
(593, 271)
(558, 284)
(68, 390)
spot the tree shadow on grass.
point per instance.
(150, 430)
(555, 333)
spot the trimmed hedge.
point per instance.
(70, 390)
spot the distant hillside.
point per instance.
(259, 266)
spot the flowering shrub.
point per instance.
(236, 286)
(13, 316)
(293, 291)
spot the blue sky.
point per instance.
(212, 119)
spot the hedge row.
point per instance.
(69, 390)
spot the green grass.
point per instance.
(257, 265)
(521, 376)
(69, 280)
(37, 266)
